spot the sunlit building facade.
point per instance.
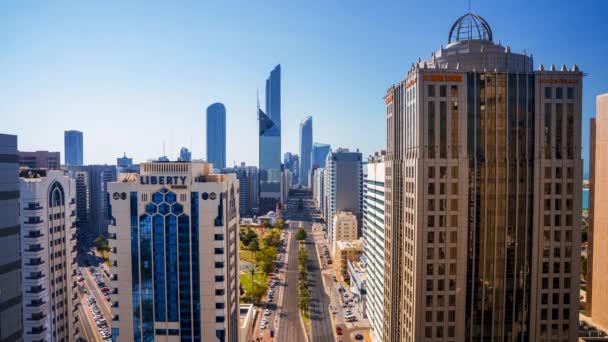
(174, 250)
(483, 195)
(305, 150)
(216, 135)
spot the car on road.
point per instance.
(266, 312)
(358, 336)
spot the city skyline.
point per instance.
(92, 85)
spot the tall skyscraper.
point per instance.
(273, 95)
(185, 155)
(216, 135)
(175, 254)
(270, 144)
(11, 291)
(319, 153)
(597, 263)
(305, 150)
(73, 147)
(48, 248)
(483, 195)
(40, 159)
(343, 187)
(373, 237)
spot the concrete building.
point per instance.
(343, 188)
(319, 154)
(373, 240)
(248, 185)
(11, 291)
(40, 159)
(216, 135)
(48, 256)
(73, 147)
(358, 276)
(318, 188)
(246, 318)
(347, 251)
(483, 195)
(83, 199)
(597, 267)
(344, 228)
(174, 250)
(305, 150)
(286, 181)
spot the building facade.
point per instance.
(97, 177)
(319, 153)
(174, 250)
(318, 186)
(344, 229)
(11, 290)
(40, 159)
(83, 199)
(343, 187)
(216, 135)
(483, 195)
(270, 163)
(347, 251)
(124, 162)
(597, 268)
(48, 256)
(305, 150)
(73, 147)
(373, 239)
(248, 185)
(185, 155)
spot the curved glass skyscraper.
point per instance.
(216, 135)
(305, 149)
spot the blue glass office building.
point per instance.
(305, 150)
(176, 266)
(270, 144)
(216, 135)
(319, 153)
(73, 148)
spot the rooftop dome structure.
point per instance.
(470, 27)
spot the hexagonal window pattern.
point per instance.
(164, 191)
(205, 196)
(163, 209)
(170, 198)
(151, 208)
(157, 198)
(177, 209)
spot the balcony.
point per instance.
(33, 206)
(36, 303)
(35, 262)
(35, 290)
(37, 316)
(34, 235)
(35, 276)
(34, 248)
(33, 220)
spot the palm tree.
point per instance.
(252, 268)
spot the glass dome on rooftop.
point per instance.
(470, 27)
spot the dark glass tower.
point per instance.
(216, 135)
(270, 144)
(73, 148)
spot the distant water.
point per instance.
(585, 198)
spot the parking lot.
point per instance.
(95, 302)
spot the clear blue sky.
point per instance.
(134, 75)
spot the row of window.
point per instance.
(559, 93)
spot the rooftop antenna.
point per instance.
(164, 148)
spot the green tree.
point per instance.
(254, 245)
(301, 234)
(280, 223)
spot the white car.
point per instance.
(266, 312)
(263, 326)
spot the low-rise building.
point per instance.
(345, 228)
(347, 251)
(246, 318)
(357, 272)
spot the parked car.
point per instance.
(339, 330)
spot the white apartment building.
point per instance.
(48, 256)
(174, 248)
(373, 238)
(345, 228)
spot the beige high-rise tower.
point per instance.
(597, 282)
(483, 195)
